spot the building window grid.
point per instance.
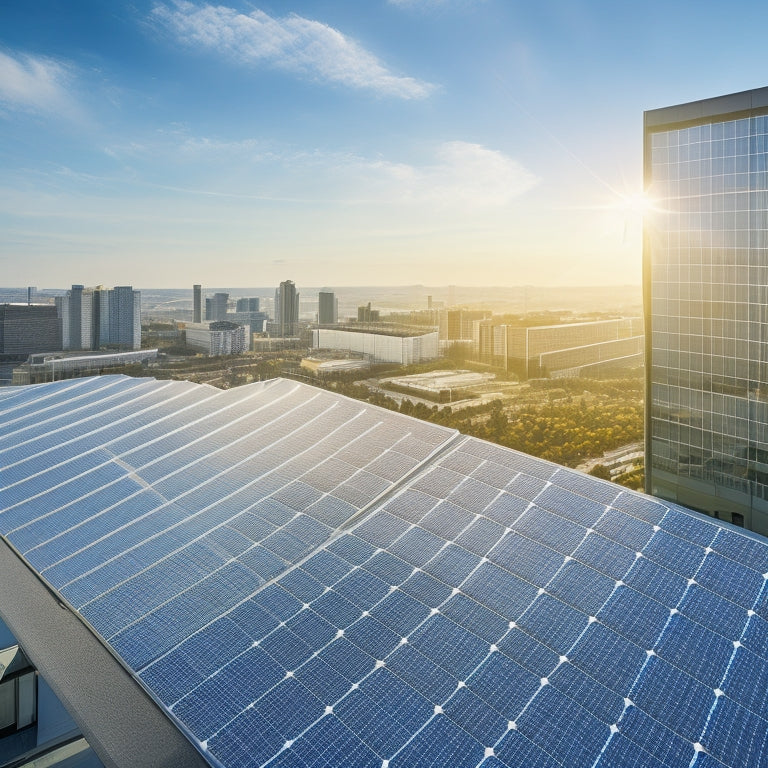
(717, 214)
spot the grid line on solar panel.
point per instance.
(686, 677)
(743, 549)
(61, 395)
(345, 576)
(64, 434)
(164, 434)
(86, 606)
(732, 682)
(583, 485)
(110, 460)
(206, 508)
(24, 511)
(118, 402)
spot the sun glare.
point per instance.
(638, 203)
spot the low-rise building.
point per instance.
(52, 366)
(28, 328)
(221, 337)
(380, 346)
(545, 350)
(324, 367)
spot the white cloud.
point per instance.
(451, 175)
(465, 174)
(34, 84)
(294, 43)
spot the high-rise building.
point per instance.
(80, 325)
(91, 318)
(197, 303)
(327, 308)
(705, 278)
(367, 315)
(287, 309)
(247, 305)
(124, 317)
(216, 307)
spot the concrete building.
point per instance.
(216, 307)
(705, 278)
(528, 351)
(255, 320)
(325, 367)
(28, 328)
(53, 366)
(124, 326)
(247, 304)
(92, 318)
(222, 337)
(327, 308)
(458, 324)
(197, 303)
(287, 309)
(75, 309)
(367, 315)
(379, 346)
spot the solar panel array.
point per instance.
(305, 580)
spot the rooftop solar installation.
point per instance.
(300, 579)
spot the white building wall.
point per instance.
(104, 317)
(218, 342)
(137, 319)
(86, 320)
(379, 347)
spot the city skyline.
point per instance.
(434, 142)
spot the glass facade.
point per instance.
(706, 274)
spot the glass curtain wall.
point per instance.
(709, 325)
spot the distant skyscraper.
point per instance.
(91, 318)
(327, 308)
(125, 317)
(197, 303)
(75, 334)
(247, 305)
(216, 307)
(76, 313)
(706, 302)
(367, 315)
(287, 309)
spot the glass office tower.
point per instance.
(705, 277)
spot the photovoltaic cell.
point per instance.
(295, 599)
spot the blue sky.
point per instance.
(343, 142)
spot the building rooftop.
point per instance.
(381, 329)
(282, 576)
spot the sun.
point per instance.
(638, 203)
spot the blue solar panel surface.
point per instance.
(300, 579)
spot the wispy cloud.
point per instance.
(453, 175)
(463, 173)
(293, 43)
(35, 84)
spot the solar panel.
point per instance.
(301, 579)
